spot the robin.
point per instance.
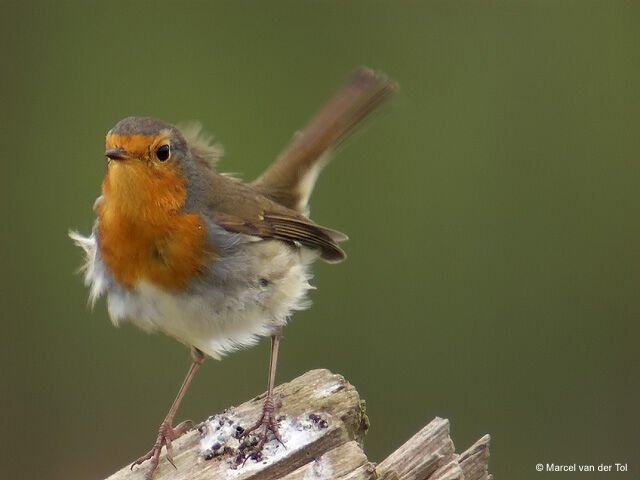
(203, 257)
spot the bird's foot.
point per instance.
(166, 434)
(268, 424)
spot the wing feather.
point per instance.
(292, 228)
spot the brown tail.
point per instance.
(290, 179)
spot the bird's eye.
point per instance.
(163, 152)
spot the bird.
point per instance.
(216, 263)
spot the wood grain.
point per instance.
(323, 423)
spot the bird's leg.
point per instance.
(167, 433)
(268, 420)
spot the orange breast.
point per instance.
(142, 234)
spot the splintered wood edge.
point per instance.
(328, 399)
(474, 461)
(420, 456)
(429, 455)
(469, 465)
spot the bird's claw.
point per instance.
(166, 434)
(268, 423)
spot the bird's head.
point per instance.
(144, 165)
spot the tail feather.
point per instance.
(290, 179)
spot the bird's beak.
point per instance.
(116, 154)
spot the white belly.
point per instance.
(244, 297)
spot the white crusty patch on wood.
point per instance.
(221, 436)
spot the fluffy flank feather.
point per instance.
(200, 143)
(96, 281)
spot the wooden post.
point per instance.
(322, 423)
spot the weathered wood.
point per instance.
(474, 460)
(422, 454)
(337, 463)
(322, 423)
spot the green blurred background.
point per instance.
(494, 260)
